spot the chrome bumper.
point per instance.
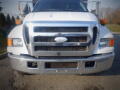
(102, 63)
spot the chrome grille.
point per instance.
(79, 41)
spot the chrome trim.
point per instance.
(65, 34)
(102, 63)
(58, 23)
(61, 53)
(99, 58)
(32, 34)
(61, 44)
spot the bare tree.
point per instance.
(112, 15)
(116, 16)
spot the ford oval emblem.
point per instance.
(61, 39)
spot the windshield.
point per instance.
(60, 5)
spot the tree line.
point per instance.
(112, 15)
(6, 21)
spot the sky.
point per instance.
(11, 6)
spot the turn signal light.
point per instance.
(18, 21)
(9, 42)
(111, 43)
(103, 21)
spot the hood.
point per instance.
(60, 16)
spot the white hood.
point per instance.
(60, 16)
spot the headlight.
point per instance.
(106, 42)
(15, 42)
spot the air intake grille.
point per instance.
(60, 29)
(60, 48)
(43, 41)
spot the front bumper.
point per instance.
(102, 63)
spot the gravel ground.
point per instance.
(109, 80)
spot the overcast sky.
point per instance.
(11, 6)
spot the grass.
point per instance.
(3, 51)
(114, 27)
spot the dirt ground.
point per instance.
(108, 80)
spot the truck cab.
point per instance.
(60, 37)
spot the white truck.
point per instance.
(60, 37)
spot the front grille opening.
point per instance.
(89, 64)
(60, 29)
(49, 65)
(60, 48)
(52, 39)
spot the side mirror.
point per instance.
(103, 21)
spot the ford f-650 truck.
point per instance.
(60, 37)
